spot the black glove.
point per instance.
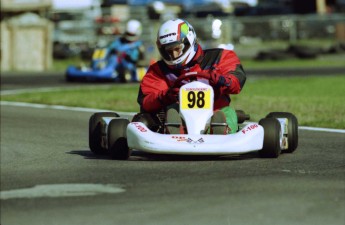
(217, 80)
(170, 96)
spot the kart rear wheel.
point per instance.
(117, 139)
(292, 128)
(69, 78)
(272, 130)
(95, 131)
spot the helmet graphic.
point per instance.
(176, 42)
(133, 30)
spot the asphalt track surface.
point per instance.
(52, 79)
(45, 156)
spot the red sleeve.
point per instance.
(151, 87)
(230, 67)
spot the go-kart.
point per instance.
(102, 67)
(277, 132)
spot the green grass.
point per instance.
(114, 97)
(315, 100)
(322, 61)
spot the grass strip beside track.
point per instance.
(316, 100)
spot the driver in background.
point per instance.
(178, 46)
(129, 50)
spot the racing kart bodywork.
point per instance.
(275, 133)
(102, 67)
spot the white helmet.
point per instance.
(177, 36)
(133, 30)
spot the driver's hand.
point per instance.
(217, 80)
(169, 96)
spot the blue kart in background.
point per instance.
(102, 68)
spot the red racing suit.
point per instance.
(159, 78)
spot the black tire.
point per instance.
(271, 147)
(95, 131)
(292, 128)
(69, 78)
(117, 139)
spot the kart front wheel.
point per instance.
(69, 78)
(272, 131)
(96, 131)
(117, 139)
(292, 128)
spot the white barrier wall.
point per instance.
(26, 43)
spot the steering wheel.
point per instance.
(189, 76)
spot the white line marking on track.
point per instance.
(47, 89)
(60, 107)
(322, 129)
(61, 190)
(22, 91)
(80, 109)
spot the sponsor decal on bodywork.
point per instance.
(188, 140)
(179, 138)
(249, 128)
(199, 141)
(139, 127)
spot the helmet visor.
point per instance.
(131, 37)
(175, 50)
